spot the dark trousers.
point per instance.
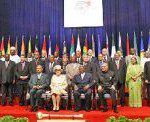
(77, 100)
(121, 89)
(148, 94)
(7, 89)
(35, 96)
(112, 94)
(22, 90)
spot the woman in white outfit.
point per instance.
(58, 86)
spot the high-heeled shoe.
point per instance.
(54, 108)
(57, 109)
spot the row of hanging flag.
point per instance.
(85, 48)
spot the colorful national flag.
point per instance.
(93, 45)
(23, 46)
(107, 43)
(56, 47)
(49, 49)
(78, 48)
(85, 47)
(135, 44)
(8, 46)
(29, 46)
(120, 42)
(2, 46)
(127, 45)
(142, 46)
(72, 52)
(64, 47)
(16, 45)
(36, 44)
(148, 49)
(113, 47)
(44, 50)
(99, 44)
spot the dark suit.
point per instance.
(58, 60)
(106, 80)
(81, 83)
(79, 60)
(147, 77)
(49, 68)
(93, 60)
(22, 84)
(33, 64)
(8, 76)
(90, 67)
(120, 76)
(35, 94)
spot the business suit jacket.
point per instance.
(106, 79)
(120, 74)
(80, 83)
(7, 74)
(22, 72)
(48, 70)
(93, 60)
(91, 68)
(43, 81)
(147, 71)
(32, 66)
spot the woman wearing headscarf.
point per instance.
(134, 83)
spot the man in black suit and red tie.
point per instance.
(22, 76)
(147, 79)
(7, 79)
(118, 66)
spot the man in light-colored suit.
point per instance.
(38, 83)
(72, 69)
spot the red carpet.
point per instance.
(93, 116)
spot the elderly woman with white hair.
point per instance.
(58, 86)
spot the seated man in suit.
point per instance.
(107, 84)
(22, 75)
(38, 83)
(82, 83)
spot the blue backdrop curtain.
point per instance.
(46, 17)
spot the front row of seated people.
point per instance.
(82, 84)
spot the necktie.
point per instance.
(36, 62)
(22, 64)
(118, 64)
(6, 64)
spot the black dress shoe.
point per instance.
(104, 109)
(87, 109)
(77, 110)
(32, 109)
(11, 104)
(115, 111)
(3, 104)
(35, 109)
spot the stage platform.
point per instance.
(92, 116)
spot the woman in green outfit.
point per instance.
(134, 82)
